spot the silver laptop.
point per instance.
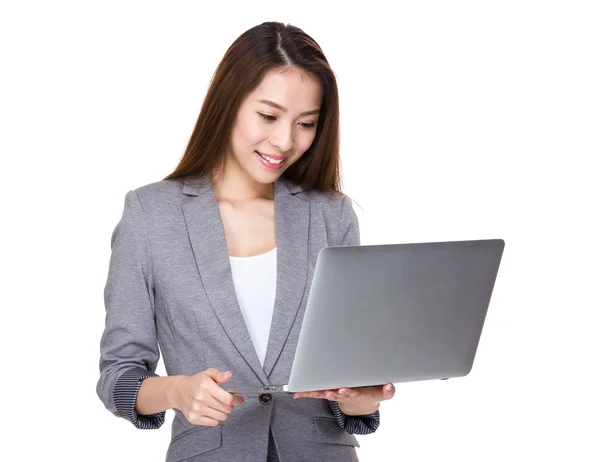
(392, 313)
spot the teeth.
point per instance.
(273, 161)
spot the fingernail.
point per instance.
(388, 387)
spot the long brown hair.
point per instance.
(270, 45)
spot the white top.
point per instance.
(254, 279)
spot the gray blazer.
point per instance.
(170, 285)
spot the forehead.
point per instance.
(295, 89)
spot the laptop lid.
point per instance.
(394, 313)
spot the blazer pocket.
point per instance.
(193, 442)
(329, 431)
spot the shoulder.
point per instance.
(333, 205)
(165, 192)
(334, 211)
(326, 199)
(329, 203)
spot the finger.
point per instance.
(237, 400)
(206, 412)
(214, 403)
(197, 419)
(220, 399)
(223, 377)
(309, 394)
(349, 392)
(222, 395)
(215, 414)
(217, 375)
(332, 395)
(207, 421)
(388, 390)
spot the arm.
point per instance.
(349, 234)
(360, 425)
(128, 347)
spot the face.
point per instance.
(275, 125)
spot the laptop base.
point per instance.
(268, 389)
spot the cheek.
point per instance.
(251, 131)
(304, 142)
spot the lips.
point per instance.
(268, 164)
(272, 156)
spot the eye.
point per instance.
(267, 117)
(270, 118)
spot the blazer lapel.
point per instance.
(207, 237)
(291, 226)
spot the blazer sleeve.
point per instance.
(128, 348)
(349, 234)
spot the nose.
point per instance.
(282, 137)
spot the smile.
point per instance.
(269, 161)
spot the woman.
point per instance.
(214, 264)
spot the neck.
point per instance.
(237, 186)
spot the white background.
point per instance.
(460, 120)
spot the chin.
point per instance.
(266, 179)
(263, 176)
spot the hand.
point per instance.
(354, 401)
(202, 400)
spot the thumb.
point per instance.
(388, 390)
(223, 377)
(217, 375)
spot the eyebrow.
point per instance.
(282, 109)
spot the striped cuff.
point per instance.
(125, 395)
(357, 424)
